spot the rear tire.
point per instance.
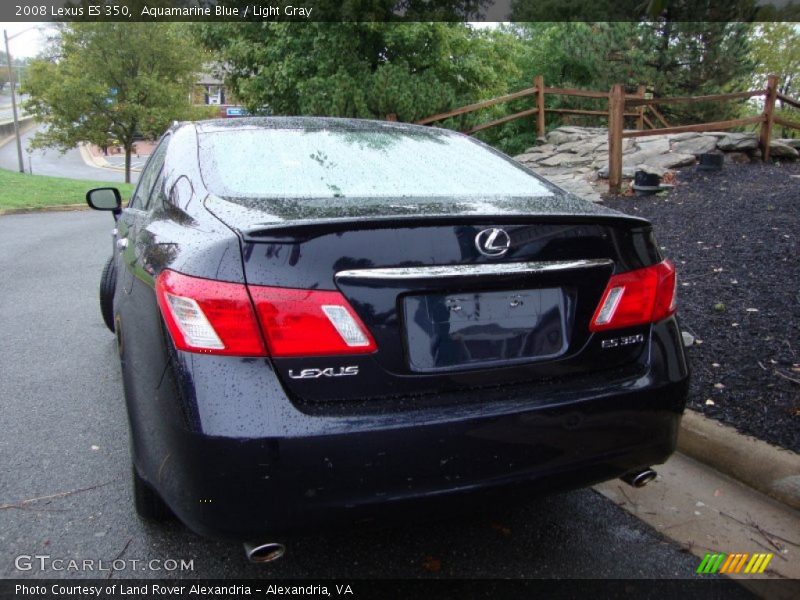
(108, 281)
(147, 502)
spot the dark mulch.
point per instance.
(733, 236)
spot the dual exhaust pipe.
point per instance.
(272, 551)
(639, 479)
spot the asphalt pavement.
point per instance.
(6, 108)
(64, 435)
(51, 162)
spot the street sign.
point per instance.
(236, 111)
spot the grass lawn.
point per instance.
(37, 191)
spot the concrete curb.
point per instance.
(54, 208)
(771, 470)
(100, 162)
(26, 123)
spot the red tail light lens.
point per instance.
(309, 323)
(217, 317)
(642, 296)
(213, 317)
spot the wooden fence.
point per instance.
(621, 105)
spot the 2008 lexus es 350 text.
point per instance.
(327, 321)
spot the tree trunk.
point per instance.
(128, 150)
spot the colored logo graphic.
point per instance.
(734, 563)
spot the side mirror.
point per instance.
(104, 198)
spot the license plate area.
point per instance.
(471, 329)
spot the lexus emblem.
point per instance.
(493, 242)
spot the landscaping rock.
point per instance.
(577, 147)
(793, 142)
(529, 157)
(696, 146)
(671, 160)
(779, 149)
(740, 158)
(565, 159)
(679, 137)
(651, 169)
(558, 137)
(654, 145)
(545, 148)
(734, 142)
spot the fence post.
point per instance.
(538, 81)
(616, 119)
(769, 115)
(640, 119)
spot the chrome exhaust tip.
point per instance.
(264, 553)
(639, 479)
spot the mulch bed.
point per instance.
(733, 236)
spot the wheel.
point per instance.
(147, 502)
(108, 281)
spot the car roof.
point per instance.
(313, 124)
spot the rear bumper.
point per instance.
(287, 470)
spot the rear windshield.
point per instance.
(296, 163)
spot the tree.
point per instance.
(113, 81)
(776, 49)
(357, 69)
(692, 58)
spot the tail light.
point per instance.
(309, 323)
(218, 317)
(214, 317)
(636, 297)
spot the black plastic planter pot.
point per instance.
(645, 183)
(711, 162)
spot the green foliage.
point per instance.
(691, 59)
(358, 69)
(776, 49)
(113, 81)
(417, 69)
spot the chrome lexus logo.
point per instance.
(493, 242)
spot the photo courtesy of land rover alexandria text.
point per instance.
(324, 322)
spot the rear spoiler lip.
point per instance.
(288, 232)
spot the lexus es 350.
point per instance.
(326, 321)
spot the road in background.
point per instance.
(6, 111)
(52, 162)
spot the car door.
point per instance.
(134, 218)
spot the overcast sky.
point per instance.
(27, 44)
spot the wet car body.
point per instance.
(458, 397)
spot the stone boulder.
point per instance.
(545, 148)
(653, 145)
(565, 159)
(739, 158)
(671, 160)
(779, 149)
(696, 146)
(529, 157)
(738, 142)
(793, 142)
(558, 137)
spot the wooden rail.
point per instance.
(622, 105)
(786, 122)
(694, 99)
(787, 100)
(714, 126)
(477, 106)
(501, 120)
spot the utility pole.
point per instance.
(14, 103)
